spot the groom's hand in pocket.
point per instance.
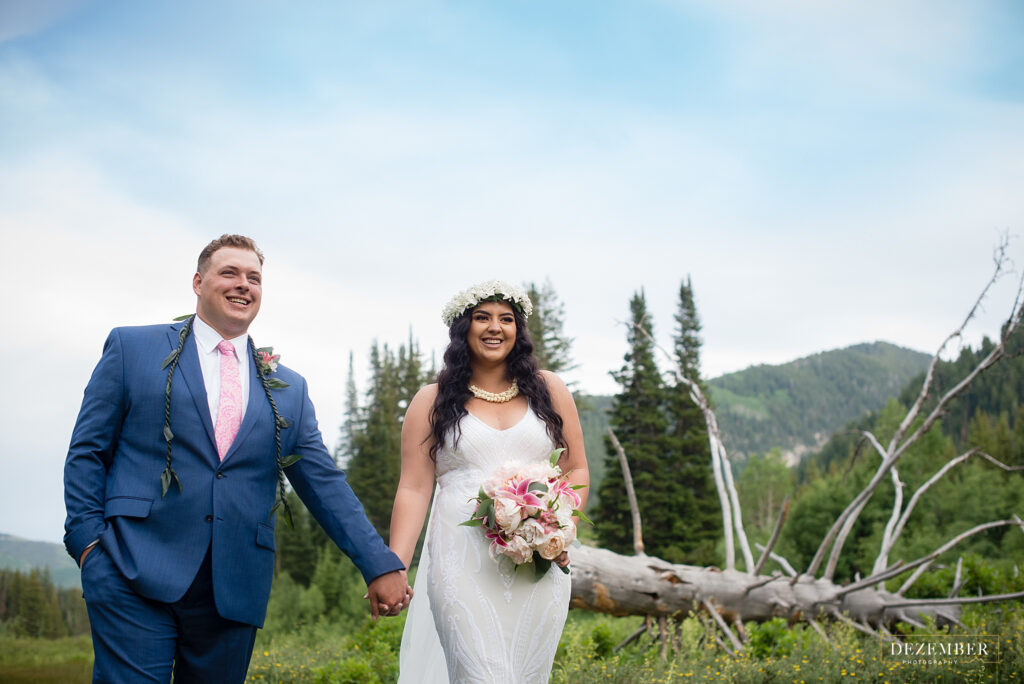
(389, 594)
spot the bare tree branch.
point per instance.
(890, 542)
(899, 446)
(898, 569)
(1000, 262)
(721, 644)
(781, 561)
(948, 545)
(634, 509)
(783, 512)
(722, 625)
(957, 581)
(821, 632)
(887, 535)
(844, 532)
(990, 598)
(856, 625)
(631, 638)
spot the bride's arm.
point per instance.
(417, 480)
(574, 459)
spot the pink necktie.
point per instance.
(229, 411)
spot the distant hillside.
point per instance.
(22, 554)
(796, 406)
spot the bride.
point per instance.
(474, 619)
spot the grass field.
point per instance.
(324, 654)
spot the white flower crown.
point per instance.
(481, 292)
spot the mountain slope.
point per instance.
(796, 406)
(23, 554)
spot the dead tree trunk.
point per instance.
(607, 582)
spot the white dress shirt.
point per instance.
(207, 340)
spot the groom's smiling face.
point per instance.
(229, 290)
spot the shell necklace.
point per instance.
(496, 397)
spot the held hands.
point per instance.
(389, 594)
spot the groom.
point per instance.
(171, 479)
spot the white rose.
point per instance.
(507, 514)
(533, 532)
(518, 550)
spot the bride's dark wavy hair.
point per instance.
(453, 383)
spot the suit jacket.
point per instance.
(112, 478)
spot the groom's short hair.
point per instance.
(226, 240)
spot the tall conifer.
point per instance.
(376, 460)
(550, 344)
(698, 525)
(640, 423)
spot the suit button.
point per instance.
(209, 518)
(220, 475)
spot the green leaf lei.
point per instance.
(263, 370)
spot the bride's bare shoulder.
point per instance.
(422, 402)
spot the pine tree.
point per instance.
(352, 425)
(640, 424)
(297, 544)
(697, 527)
(375, 465)
(550, 345)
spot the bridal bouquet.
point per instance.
(525, 511)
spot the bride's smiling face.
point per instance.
(492, 331)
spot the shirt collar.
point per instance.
(207, 338)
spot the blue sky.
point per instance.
(827, 174)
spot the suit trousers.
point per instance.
(136, 639)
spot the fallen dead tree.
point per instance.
(616, 584)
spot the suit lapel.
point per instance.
(256, 407)
(188, 365)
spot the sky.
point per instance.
(825, 173)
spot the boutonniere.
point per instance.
(266, 364)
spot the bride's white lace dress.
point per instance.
(484, 622)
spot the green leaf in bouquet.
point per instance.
(474, 522)
(583, 517)
(541, 565)
(537, 487)
(555, 455)
(486, 509)
(579, 486)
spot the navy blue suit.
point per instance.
(158, 543)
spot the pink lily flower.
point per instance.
(563, 488)
(519, 492)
